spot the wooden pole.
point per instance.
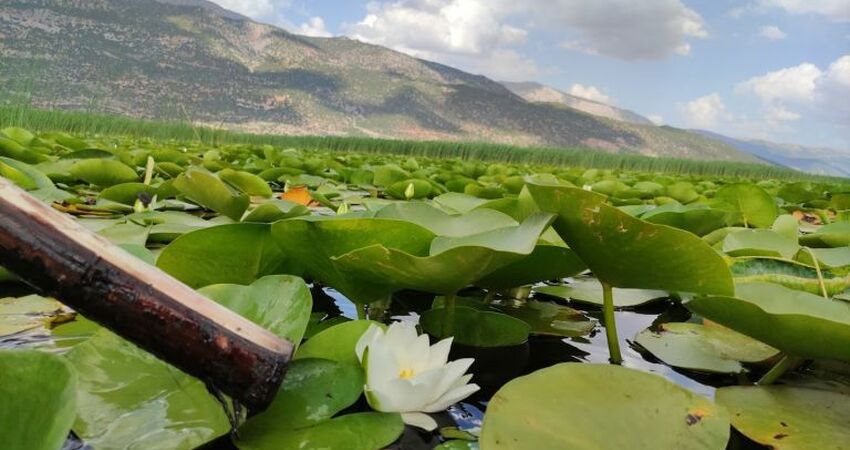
(54, 253)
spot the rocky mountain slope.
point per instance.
(539, 93)
(192, 60)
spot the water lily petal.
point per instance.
(440, 353)
(453, 371)
(381, 363)
(452, 397)
(419, 420)
(400, 395)
(372, 333)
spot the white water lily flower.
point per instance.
(405, 374)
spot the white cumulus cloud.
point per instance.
(705, 112)
(590, 93)
(835, 10)
(624, 29)
(796, 83)
(255, 9)
(313, 27)
(656, 119)
(772, 32)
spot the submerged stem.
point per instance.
(610, 324)
(449, 315)
(785, 364)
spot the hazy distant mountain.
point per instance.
(539, 93)
(819, 161)
(191, 59)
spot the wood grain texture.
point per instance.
(139, 302)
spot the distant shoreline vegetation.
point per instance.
(94, 123)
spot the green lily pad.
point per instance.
(39, 400)
(361, 431)
(795, 322)
(589, 290)
(590, 406)
(451, 264)
(127, 396)
(478, 328)
(276, 210)
(442, 224)
(546, 262)
(237, 253)
(788, 418)
(246, 182)
(127, 193)
(336, 343)
(313, 391)
(207, 190)
(126, 234)
(313, 242)
(704, 348)
(698, 219)
(788, 226)
(836, 234)
(753, 205)
(630, 253)
(166, 226)
(544, 318)
(760, 243)
(278, 303)
(103, 172)
(25, 313)
(827, 257)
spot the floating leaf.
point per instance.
(698, 219)
(795, 322)
(589, 290)
(336, 343)
(478, 328)
(103, 172)
(753, 204)
(313, 391)
(546, 262)
(699, 347)
(207, 190)
(451, 264)
(589, 407)
(442, 224)
(128, 193)
(38, 392)
(544, 318)
(126, 396)
(836, 234)
(788, 418)
(276, 210)
(313, 242)
(760, 243)
(278, 303)
(361, 431)
(238, 253)
(246, 182)
(630, 253)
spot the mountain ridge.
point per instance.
(535, 92)
(186, 59)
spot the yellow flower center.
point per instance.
(405, 374)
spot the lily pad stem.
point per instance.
(785, 364)
(610, 324)
(449, 315)
(819, 272)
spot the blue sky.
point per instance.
(770, 69)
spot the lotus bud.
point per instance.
(343, 209)
(409, 192)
